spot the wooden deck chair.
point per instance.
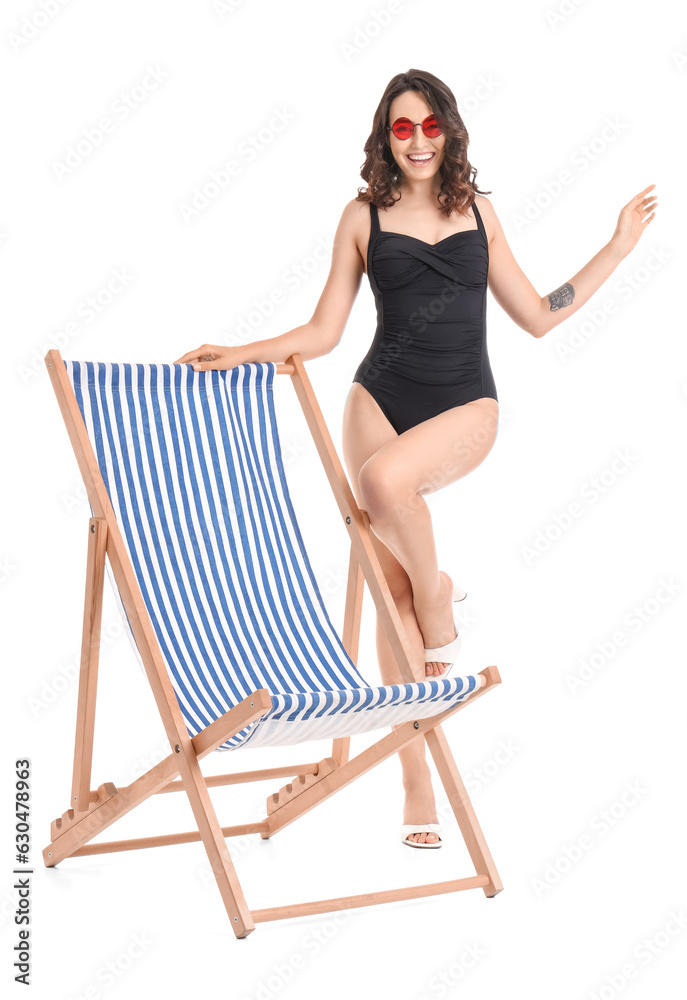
(191, 516)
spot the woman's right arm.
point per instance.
(323, 331)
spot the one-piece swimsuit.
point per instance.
(429, 352)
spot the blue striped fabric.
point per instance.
(193, 467)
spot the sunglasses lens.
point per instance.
(430, 127)
(402, 128)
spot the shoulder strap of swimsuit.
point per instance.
(374, 220)
(480, 224)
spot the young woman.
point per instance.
(422, 411)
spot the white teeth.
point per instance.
(419, 158)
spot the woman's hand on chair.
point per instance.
(210, 357)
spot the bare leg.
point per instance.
(387, 474)
(425, 458)
(420, 806)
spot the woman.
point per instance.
(422, 411)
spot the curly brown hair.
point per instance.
(380, 169)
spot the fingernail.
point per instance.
(196, 368)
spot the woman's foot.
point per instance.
(420, 808)
(435, 619)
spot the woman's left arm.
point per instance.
(517, 296)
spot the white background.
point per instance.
(536, 93)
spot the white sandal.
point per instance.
(448, 652)
(409, 828)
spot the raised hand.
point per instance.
(634, 218)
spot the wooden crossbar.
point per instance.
(91, 812)
(213, 780)
(370, 898)
(164, 840)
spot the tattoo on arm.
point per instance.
(563, 296)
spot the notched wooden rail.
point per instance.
(72, 816)
(288, 792)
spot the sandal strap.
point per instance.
(409, 828)
(444, 654)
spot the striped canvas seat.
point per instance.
(193, 468)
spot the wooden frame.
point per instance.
(91, 812)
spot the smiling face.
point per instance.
(411, 154)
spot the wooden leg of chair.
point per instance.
(215, 844)
(88, 673)
(351, 636)
(463, 810)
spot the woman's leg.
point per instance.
(366, 435)
(419, 806)
(365, 430)
(423, 459)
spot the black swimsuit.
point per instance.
(429, 352)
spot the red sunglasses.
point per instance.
(403, 128)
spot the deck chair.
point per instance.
(192, 519)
